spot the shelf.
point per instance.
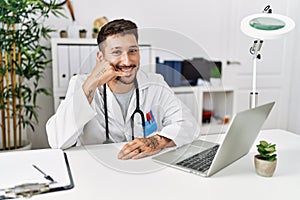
(219, 100)
(212, 128)
(75, 41)
(183, 89)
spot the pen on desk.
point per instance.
(48, 177)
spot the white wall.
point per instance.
(194, 22)
(294, 97)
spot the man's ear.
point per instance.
(99, 55)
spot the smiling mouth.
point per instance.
(125, 68)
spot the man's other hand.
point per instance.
(142, 147)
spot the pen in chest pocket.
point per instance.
(150, 117)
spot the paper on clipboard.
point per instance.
(17, 168)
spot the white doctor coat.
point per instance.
(77, 121)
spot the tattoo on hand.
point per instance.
(152, 142)
(99, 74)
(89, 96)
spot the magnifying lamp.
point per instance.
(263, 26)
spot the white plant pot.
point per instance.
(26, 145)
(263, 167)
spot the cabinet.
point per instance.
(217, 100)
(73, 56)
(70, 57)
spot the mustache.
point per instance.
(120, 67)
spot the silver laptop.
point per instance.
(206, 158)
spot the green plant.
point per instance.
(95, 30)
(22, 64)
(266, 150)
(215, 73)
(82, 31)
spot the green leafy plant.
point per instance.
(22, 64)
(215, 73)
(267, 151)
(95, 30)
(82, 31)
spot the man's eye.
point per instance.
(117, 53)
(132, 51)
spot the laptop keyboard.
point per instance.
(201, 161)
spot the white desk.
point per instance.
(94, 180)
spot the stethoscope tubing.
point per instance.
(105, 112)
(137, 110)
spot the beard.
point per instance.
(127, 80)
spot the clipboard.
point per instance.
(17, 168)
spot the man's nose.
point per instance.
(125, 59)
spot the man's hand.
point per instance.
(102, 73)
(142, 147)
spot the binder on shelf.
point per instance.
(145, 58)
(168, 72)
(161, 69)
(63, 66)
(171, 71)
(85, 59)
(32, 167)
(177, 73)
(74, 59)
(93, 51)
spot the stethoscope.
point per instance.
(136, 111)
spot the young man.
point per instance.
(118, 102)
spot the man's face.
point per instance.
(122, 52)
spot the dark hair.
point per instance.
(118, 26)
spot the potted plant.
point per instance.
(265, 162)
(82, 33)
(22, 63)
(95, 32)
(215, 76)
(63, 34)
